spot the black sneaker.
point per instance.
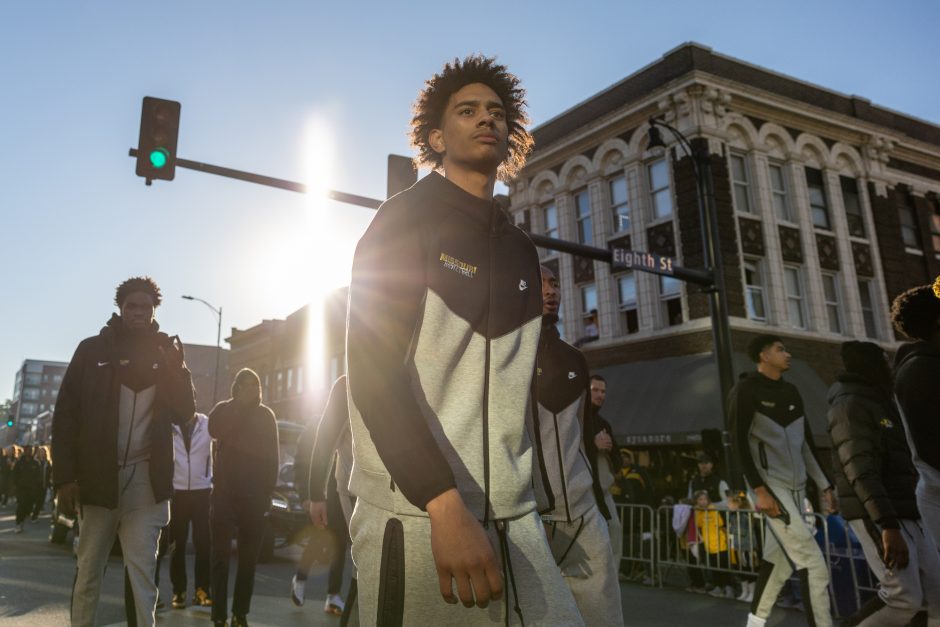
(239, 621)
(179, 600)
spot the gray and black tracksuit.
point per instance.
(112, 434)
(875, 480)
(577, 529)
(918, 396)
(444, 318)
(775, 449)
(244, 474)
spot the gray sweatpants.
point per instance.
(582, 551)
(615, 528)
(908, 590)
(137, 521)
(789, 546)
(398, 580)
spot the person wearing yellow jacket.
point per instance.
(710, 524)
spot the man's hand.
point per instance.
(830, 501)
(603, 441)
(317, 512)
(172, 355)
(67, 498)
(896, 554)
(462, 552)
(766, 503)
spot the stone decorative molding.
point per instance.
(752, 236)
(661, 239)
(623, 241)
(583, 270)
(879, 149)
(828, 252)
(790, 244)
(861, 254)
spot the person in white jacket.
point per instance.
(192, 484)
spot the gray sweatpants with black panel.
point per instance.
(583, 553)
(399, 584)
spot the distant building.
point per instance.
(35, 390)
(828, 208)
(201, 361)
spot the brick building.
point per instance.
(35, 390)
(828, 207)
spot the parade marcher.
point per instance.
(444, 318)
(243, 477)
(577, 528)
(27, 478)
(333, 440)
(606, 463)
(192, 481)
(6, 468)
(42, 456)
(775, 447)
(916, 314)
(876, 479)
(112, 445)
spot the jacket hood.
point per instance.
(850, 384)
(915, 349)
(114, 327)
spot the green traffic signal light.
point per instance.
(158, 157)
(10, 422)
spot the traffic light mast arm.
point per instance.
(270, 181)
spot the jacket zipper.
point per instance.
(561, 469)
(130, 431)
(486, 381)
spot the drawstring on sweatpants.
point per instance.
(507, 570)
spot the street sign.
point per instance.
(626, 259)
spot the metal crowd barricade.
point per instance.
(638, 524)
(674, 555)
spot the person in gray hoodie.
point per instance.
(875, 480)
(916, 314)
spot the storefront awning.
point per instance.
(678, 396)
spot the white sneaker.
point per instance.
(750, 592)
(716, 592)
(753, 621)
(729, 592)
(297, 590)
(19, 528)
(334, 605)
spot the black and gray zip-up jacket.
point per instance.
(918, 394)
(445, 310)
(875, 477)
(772, 435)
(565, 420)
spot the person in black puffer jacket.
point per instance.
(875, 480)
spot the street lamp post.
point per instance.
(717, 296)
(218, 345)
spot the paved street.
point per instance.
(36, 578)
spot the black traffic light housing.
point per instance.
(159, 131)
(401, 174)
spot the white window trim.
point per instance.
(626, 203)
(837, 303)
(754, 264)
(580, 219)
(746, 184)
(651, 192)
(801, 297)
(785, 193)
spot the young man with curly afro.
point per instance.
(443, 329)
(916, 314)
(112, 442)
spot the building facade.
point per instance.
(35, 390)
(828, 207)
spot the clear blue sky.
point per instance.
(75, 220)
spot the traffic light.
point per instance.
(9, 421)
(159, 130)
(401, 174)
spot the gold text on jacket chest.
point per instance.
(458, 266)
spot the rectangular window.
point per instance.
(794, 288)
(619, 203)
(740, 183)
(660, 194)
(582, 212)
(626, 292)
(31, 394)
(290, 380)
(818, 206)
(550, 216)
(32, 379)
(832, 300)
(754, 291)
(935, 225)
(670, 291)
(279, 389)
(910, 231)
(778, 190)
(589, 318)
(868, 309)
(300, 379)
(853, 206)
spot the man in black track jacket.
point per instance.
(775, 448)
(444, 319)
(875, 479)
(577, 531)
(112, 443)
